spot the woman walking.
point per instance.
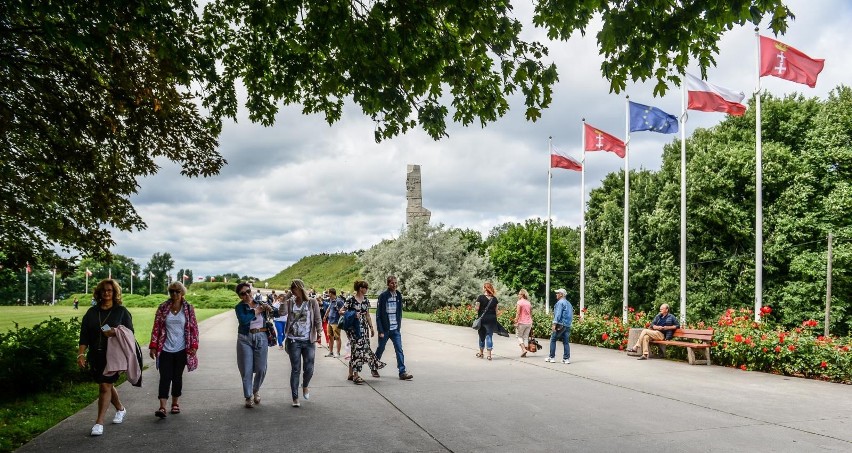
(280, 321)
(523, 320)
(252, 344)
(486, 308)
(360, 342)
(97, 326)
(174, 342)
(304, 323)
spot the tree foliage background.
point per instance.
(91, 94)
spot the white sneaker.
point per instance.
(566, 361)
(550, 359)
(98, 430)
(119, 416)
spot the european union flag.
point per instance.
(646, 118)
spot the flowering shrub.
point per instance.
(738, 341)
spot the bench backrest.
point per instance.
(694, 334)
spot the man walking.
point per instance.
(388, 323)
(563, 315)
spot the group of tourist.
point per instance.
(300, 321)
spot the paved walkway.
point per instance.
(603, 401)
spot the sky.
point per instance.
(302, 187)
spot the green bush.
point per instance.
(39, 358)
(209, 286)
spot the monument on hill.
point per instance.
(415, 212)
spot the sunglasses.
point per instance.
(243, 293)
(174, 291)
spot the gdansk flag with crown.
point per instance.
(780, 60)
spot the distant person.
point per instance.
(97, 326)
(523, 320)
(280, 321)
(389, 324)
(303, 331)
(662, 328)
(332, 319)
(486, 307)
(174, 343)
(258, 298)
(359, 341)
(76, 304)
(563, 315)
(252, 344)
(323, 311)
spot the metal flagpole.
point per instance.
(683, 119)
(547, 268)
(27, 284)
(626, 208)
(583, 221)
(150, 276)
(87, 280)
(53, 297)
(758, 186)
(131, 281)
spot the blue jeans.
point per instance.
(279, 329)
(396, 338)
(486, 337)
(301, 354)
(252, 350)
(564, 335)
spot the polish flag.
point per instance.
(597, 140)
(88, 272)
(185, 276)
(707, 97)
(559, 161)
(780, 60)
(29, 269)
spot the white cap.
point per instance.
(561, 290)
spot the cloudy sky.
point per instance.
(302, 187)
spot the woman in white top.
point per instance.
(303, 328)
(280, 321)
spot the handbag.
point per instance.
(271, 336)
(351, 323)
(477, 323)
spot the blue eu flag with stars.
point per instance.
(646, 118)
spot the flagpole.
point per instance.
(583, 222)
(150, 276)
(683, 119)
(758, 184)
(53, 297)
(547, 270)
(131, 281)
(87, 280)
(27, 284)
(626, 206)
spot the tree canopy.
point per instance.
(93, 94)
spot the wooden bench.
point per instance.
(704, 338)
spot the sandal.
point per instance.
(479, 354)
(358, 380)
(160, 413)
(175, 409)
(489, 357)
(375, 373)
(350, 377)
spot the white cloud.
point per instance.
(303, 187)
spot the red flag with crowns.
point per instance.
(598, 140)
(780, 60)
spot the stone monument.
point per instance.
(415, 212)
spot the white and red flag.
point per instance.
(559, 161)
(707, 97)
(780, 60)
(88, 272)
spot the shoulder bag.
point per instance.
(478, 321)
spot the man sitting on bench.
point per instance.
(662, 327)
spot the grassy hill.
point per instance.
(339, 271)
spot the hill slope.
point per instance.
(321, 272)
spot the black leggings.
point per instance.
(171, 373)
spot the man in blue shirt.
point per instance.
(662, 328)
(331, 318)
(388, 323)
(563, 315)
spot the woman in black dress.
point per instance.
(360, 344)
(97, 326)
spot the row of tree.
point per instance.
(807, 194)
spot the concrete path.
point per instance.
(603, 401)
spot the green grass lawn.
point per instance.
(143, 318)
